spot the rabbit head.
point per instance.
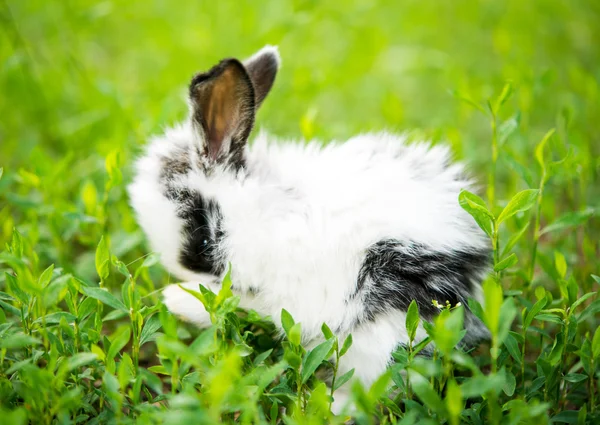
(176, 181)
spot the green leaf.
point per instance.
(533, 311)
(262, 357)
(55, 318)
(150, 260)
(476, 309)
(555, 166)
(508, 312)
(225, 292)
(200, 295)
(343, 379)
(493, 301)
(326, 331)
(448, 329)
(549, 318)
(1, 172)
(295, 335)
(315, 357)
(592, 309)
(6, 297)
(293, 359)
(539, 150)
(120, 266)
(512, 346)
(102, 259)
(126, 371)
(159, 369)
(412, 320)
(45, 277)
(481, 384)
(17, 341)
(78, 360)
(582, 415)
(522, 201)
(86, 308)
(15, 288)
(229, 305)
(596, 344)
(111, 384)
(149, 330)
(515, 238)
(112, 163)
(468, 100)
(476, 207)
(509, 261)
(582, 300)
(566, 416)
(422, 387)
(507, 128)
(454, 399)
(287, 321)
(346, 345)
(206, 343)
(15, 416)
(560, 264)
(380, 386)
(421, 345)
(510, 384)
(16, 244)
(104, 296)
(575, 377)
(568, 220)
(274, 412)
(118, 341)
(555, 356)
(464, 360)
(504, 96)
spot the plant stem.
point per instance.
(174, 376)
(335, 370)
(300, 393)
(523, 360)
(135, 348)
(491, 192)
(536, 230)
(592, 393)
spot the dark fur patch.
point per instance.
(394, 273)
(199, 249)
(178, 163)
(262, 71)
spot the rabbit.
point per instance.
(346, 234)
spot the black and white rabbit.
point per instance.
(347, 233)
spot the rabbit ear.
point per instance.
(262, 68)
(223, 109)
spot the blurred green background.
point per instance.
(82, 79)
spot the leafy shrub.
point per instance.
(86, 340)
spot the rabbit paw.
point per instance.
(184, 305)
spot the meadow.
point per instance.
(512, 86)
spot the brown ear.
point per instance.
(223, 109)
(262, 68)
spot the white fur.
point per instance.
(299, 221)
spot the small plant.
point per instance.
(84, 337)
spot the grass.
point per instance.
(83, 336)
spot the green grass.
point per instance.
(83, 336)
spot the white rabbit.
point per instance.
(346, 233)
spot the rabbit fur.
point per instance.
(346, 234)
